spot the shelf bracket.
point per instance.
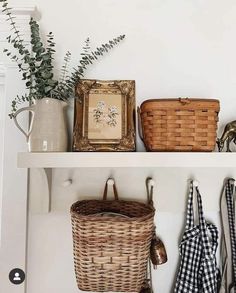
(40, 184)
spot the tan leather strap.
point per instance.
(114, 190)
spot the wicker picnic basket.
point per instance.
(111, 240)
(179, 124)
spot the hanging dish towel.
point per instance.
(228, 253)
(198, 269)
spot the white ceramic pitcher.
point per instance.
(48, 130)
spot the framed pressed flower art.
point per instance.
(104, 118)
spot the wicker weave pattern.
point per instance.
(111, 253)
(179, 125)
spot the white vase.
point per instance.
(48, 129)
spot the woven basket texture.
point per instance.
(111, 252)
(179, 124)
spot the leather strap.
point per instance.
(106, 190)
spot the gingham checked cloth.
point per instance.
(198, 270)
(228, 249)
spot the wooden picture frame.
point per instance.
(104, 118)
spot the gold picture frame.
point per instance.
(104, 118)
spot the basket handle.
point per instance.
(110, 181)
(140, 129)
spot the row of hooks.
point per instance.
(111, 182)
(151, 182)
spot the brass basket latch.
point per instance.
(184, 101)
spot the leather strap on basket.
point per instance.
(110, 181)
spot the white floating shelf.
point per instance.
(132, 159)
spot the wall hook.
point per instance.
(233, 181)
(110, 181)
(67, 183)
(150, 182)
(195, 183)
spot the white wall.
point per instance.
(172, 48)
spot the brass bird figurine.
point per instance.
(228, 136)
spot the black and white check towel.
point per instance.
(228, 254)
(198, 269)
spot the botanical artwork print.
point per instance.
(104, 114)
(104, 120)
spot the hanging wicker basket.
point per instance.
(179, 124)
(111, 243)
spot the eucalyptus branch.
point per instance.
(89, 58)
(64, 68)
(36, 65)
(7, 12)
(66, 88)
(17, 42)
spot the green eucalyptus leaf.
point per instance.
(48, 89)
(52, 82)
(46, 57)
(39, 58)
(26, 59)
(39, 51)
(46, 75)
(38, 44)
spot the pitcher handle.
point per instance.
(30, 109)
